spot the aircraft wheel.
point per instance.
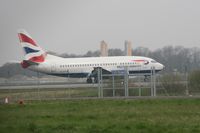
(89, 80)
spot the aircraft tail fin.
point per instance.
(33, 53)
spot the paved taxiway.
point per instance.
(46, 86)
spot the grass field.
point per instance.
(102, 116)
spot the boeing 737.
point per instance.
(38, 60)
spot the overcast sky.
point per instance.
(76, 26)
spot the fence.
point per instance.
(125, 84)
(109, 85)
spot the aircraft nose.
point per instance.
(161, 66)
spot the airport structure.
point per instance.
(128, 48)
(104, 48)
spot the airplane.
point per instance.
(36, 59)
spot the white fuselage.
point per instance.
(83, 67)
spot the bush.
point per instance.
(194, 80)
(173, 84)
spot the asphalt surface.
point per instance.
(49, 86)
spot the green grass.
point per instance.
(102, 116)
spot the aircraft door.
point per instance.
(53, 68)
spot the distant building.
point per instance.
(127, 48)
(104, 48)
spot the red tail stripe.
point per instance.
(38, 59)
(24, 38)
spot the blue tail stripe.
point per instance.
(29, 50)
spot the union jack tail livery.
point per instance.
(33, 53)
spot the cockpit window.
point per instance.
(153, 61)
(146, 62)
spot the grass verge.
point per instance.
(107, 116)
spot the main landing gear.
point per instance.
(91, 80)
